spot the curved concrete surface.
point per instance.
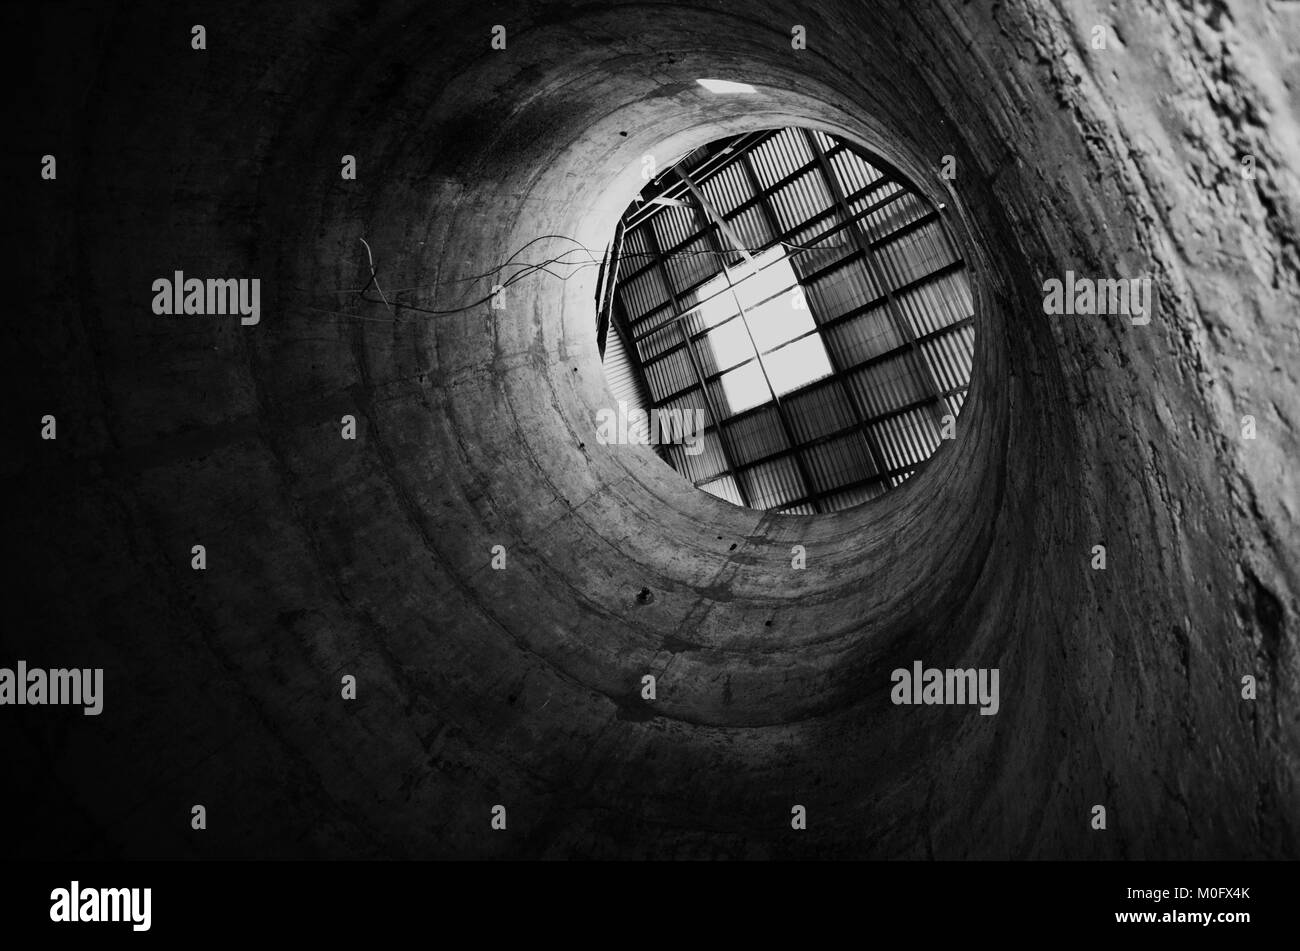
(522, 687)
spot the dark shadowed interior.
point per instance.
(372, 557)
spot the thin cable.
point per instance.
(527, 269)
(374, 278)
(483, 300)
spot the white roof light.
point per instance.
(723, 85)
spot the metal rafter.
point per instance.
(608, 287)
(618, 320)
(882, 357)
(738, 146)
(832, 212)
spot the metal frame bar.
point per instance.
(764, 194)
(944, 271)
(634, 357)
(607, 287)
(883, 357)
(738, 145)
(671, 303)
(846, 431)
(858, 484)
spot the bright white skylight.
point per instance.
(769, 274)
(723, 85)
(797, 364)
(745, 388)
(720, 305)
(777, 321)
(769, 292)
(730, 344)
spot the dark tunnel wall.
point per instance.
(521, 687)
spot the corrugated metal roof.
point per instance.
(693, 264)
(915, 254)
(774, 483)
(887, 219)
(779, 156)
(727, 190)
(724, 488)
(813, 252)
(862, 337)
(691, 401)
(625, 384)
(844, 289)
(804, 198)
(824, 141)
(950, 356)
(851, 497)
(932, 309)
(853, 172)
(937, 303)
(888, 385)
(818, 410)
(956, 401)
(694, 158)
(655, 343)
(756, 435)
(804, 508)
(719, 398)
(908, 438)
(875, 197)
(670, 374)
(643, 293)
(635, 254)
(838, 462)
(752, 229)
(707, 463)
(674, 224)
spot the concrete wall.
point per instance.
(521, 687)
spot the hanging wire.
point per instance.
(526, 269)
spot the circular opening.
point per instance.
(787, 320)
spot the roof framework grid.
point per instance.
(888, 315)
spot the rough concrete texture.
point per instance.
(521, 687)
